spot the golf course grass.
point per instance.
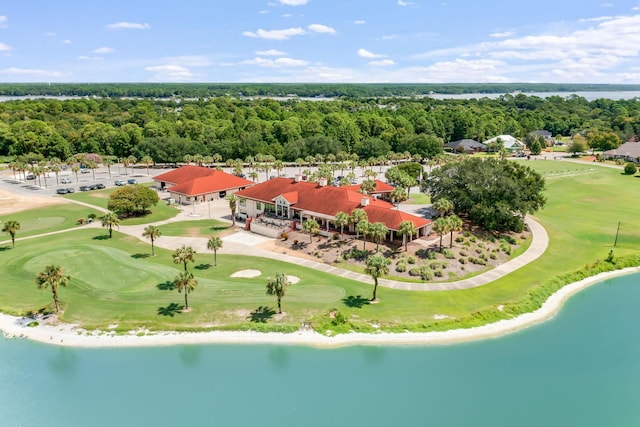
(100, 198)
(197, 228)
(116, 282)
(45, 220)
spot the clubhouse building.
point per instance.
(283, 204)
(190, 184)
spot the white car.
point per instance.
(65, 180)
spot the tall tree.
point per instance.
(341, 219)
(441, 227)
(213, 244)
(277, 286)
(363, 228)
(147, 161)
(378, 231)
(110, 220)
(358, 215)
(185, 281)
(184, 255)
(407, 230)
(455, 224)
(152, 233)
(11, 227)
(52, 277)
(377, 266)
(443, 206)
(233, 205)
(311, 226)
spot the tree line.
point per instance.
(234, 128)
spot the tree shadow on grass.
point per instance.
(140, 256)
(165, 286)
(261, 314)
(355, 301)
(202, 266)
(101, 237)
(4, 248)
(170, 310)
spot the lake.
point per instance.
(580, 369)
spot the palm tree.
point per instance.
(11, 227)
(299, 163)
(75, 169)
(213, 244)
(368, 186)
(132, 161)
(52, 277)
(441, 227)
(398, 195)
(55, 169)
(407, 230)
(455, 224)
(185, 281)
(147, 161)
(358, 215)
(378, 231)
(93, 165)
(151, 232)
(110, 220)
(311, 226)
(184, 255)
(108, 161)
(278, 165)
(377, 266)
(443, 206)
(233, 205)
(363, 227)
(253, 175)
(341, 219)
(277, 287)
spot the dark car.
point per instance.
(70, 190)
(99, 186)
(30, 176)
(84, 188)
(62, 191)
(132, 181)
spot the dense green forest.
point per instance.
(331, 90)
(231, 127)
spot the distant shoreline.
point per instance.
(71, 336)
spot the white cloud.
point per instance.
(276, 63)
(102, 50)
(275, 34)
(364, 53)
(66, 41)
(5, 47)
(383, 63)
(49, 34)
(294, 2)
(287, 15)
(360, 22)
(404, 3)
(596, 19)
(4, 21)
(90, 58)
(502, 35)
(319, 28)
(270, 52)
(188, 60)
(129, 26)
(31, 72)
(170, 72)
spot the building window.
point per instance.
(259, 206)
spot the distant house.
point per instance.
(629, 151)
(382, 191)
(198, 184)
(509, 142)
(465, 145)
(289, 202)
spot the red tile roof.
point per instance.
(328, 201)
(196, 181)
(381, 187)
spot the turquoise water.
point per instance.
(580, 369)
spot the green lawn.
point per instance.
(418, 199)
(100, 198)
(115, 282)
(44, 220)
(196, 228)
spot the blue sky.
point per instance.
(351, 41)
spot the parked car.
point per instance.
(61, 191)
(65, 180)
(120, 183)
(93, 187)
(30, 176)
(84, 188)
(85, 170)
(132, 181)
(99, 186)
(70, 190)
(241, 175)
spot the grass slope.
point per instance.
(45, 220)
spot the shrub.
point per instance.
(466, 234)
(492, 239)
(478, 261)
(92, 216)
(338, 319)
(462, 260)
(483, 256)
(481, 245)
(492, 255)
(411, 260)
(459, 239)
(415, 271)
(438, 273)
(467, 244)
(336, 236)
(339, 260)
(284, 236)
(473, 239)
(448, 254)
(295, 242)
(432, 255)
(464, 253)
(630, 168)
(479, 251)
(81, 221)
(511, 240)
(425, 273)
(401, 267)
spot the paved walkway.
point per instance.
(247, 243)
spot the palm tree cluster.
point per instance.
(447, 221)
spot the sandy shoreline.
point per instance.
(70, 335)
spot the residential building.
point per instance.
(629, 151)
(465, 145)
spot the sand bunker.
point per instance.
(247, 273)
(11, 202)
(293, 279)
